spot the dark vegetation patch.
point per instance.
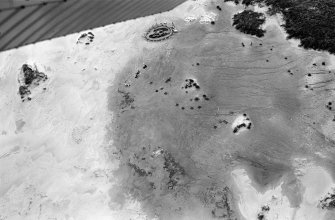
(249, 22)
(265, 208)
(190, 83)
(138, 170)
(248, 2)
(126, 100)
(168, 80)
(261, 215)
(329, 106)
(238, 127)
(310, 21)
(219, 200)
(29, 78)
(137, 74)
(313, 22)
(24, 91)
(173, 168)
(245, 2)
(328, 202)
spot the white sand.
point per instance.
(315, 181)
(275, 21)
(251, 201)
(198, 13)
(193, 10)
(332, 61)
(53, 163)
(328, 128)
(208, 18)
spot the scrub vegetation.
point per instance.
(249, 22)
(310, 21)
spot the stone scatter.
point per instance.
(262, 214)
(86, 38)
(29, 79)
(190, 83)
(241, 123)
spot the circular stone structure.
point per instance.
(160, 32)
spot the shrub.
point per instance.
(310, 21)
(249, 22)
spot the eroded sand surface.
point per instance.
(130, 129)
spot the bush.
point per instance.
(250, 2)
(310, 21)
(313, 22)
(249, 22)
